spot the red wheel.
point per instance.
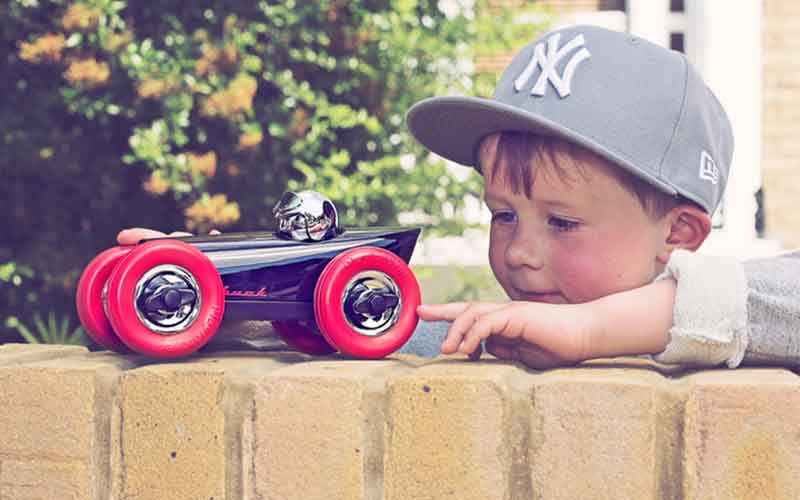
(302, 338)
(365, 302)
(89, 298)
(165, 299)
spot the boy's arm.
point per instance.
(695, 314)
(550, 335)
(632, 322)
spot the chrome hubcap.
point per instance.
(167, 299)
(103, 298)
(371, 303)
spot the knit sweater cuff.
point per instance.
(710, 316)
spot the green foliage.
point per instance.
(13, 274)
(172, 114)
(474, 284)
(51, 332)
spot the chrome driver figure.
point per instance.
(306, 216)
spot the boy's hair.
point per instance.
(521, 152)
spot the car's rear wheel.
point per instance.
(301, 337)
(365, 302)
(165, 299)
(90, 298)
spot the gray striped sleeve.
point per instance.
(735, 312)
(773, 310)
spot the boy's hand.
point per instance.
(134, 235)
(540, 335)
(627, 323)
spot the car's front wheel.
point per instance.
(165, 299)
(365, 302)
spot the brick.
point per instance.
(56, 411)
(171, 431)
(22, 353)
(316, 430)
(48, 407)
(781, 95)
(777, 9)
(41, 480)
(782, 113)
(785, 148)
(742, 435)
(775, 167)
(780, 223)
(447, 434)
(594, 435)
(778, 35)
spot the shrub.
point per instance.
(200, 114)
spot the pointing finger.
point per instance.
(441, 312)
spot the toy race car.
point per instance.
(324, 289)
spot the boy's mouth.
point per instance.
(548, 297)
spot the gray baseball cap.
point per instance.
(634, 103)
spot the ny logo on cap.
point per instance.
(548, 64)
(708, 169)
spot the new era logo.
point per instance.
(548, 64)
(708, 169)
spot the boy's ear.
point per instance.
(688, 227)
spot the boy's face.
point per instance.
(574, 240)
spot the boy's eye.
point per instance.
(562, 225)
(504, 217)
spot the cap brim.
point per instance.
(452, 127)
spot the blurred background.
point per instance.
(197, 115)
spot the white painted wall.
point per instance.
(649, 19)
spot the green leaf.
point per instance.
(73, 40)
(27, 335)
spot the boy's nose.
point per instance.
(525, 251)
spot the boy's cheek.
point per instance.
(583, 275)
(590, 275)
(498, 268)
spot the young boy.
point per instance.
(603, 156)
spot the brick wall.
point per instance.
(80, 425)
(781, 144)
